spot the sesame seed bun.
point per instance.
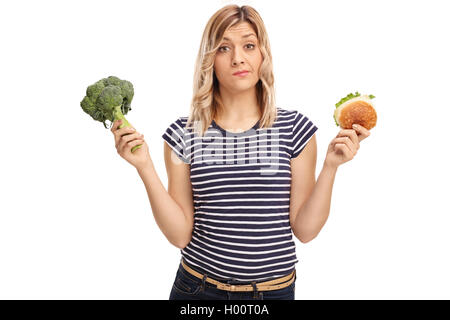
(359, 110)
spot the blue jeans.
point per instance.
(188, 287)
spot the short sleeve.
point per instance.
(302, 131)
(175, 138)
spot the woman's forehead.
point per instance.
(243, 29)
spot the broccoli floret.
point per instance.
(109, 99)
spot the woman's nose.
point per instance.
(237, 57)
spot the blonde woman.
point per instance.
(241, 171)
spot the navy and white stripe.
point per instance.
(241, 190)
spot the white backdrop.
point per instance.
(75, 220)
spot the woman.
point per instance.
(241, 171)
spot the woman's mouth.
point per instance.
(241, 74)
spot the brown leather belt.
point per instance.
(275, 284)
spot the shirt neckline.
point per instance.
(237, 134)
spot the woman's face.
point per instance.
(238, 51)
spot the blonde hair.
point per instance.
(206, 98)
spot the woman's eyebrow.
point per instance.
(245, 36)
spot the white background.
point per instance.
(75, 220)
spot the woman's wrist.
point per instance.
(145, 167)
(329, 167)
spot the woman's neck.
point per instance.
(238, 108)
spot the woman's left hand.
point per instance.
(344, 147)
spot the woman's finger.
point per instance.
(133, 143)
(362, 132)
(125, 130)
(122, 133)
(130, 144)
(130, 137)
(347, 141)
(127, 139)
(345, 150)
(351, 134)
(115, 125)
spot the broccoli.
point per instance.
(109, 99)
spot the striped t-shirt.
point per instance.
(241, 190)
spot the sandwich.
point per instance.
(355, 108)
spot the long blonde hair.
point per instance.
(206, 98)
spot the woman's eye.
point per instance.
(220, 49)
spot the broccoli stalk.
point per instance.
(118, 115)
(109, 99)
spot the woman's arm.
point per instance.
(173, 210)
(174, 222)
(314, 212)
(311, 214)
(310, 200)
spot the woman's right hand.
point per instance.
(126, 138)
